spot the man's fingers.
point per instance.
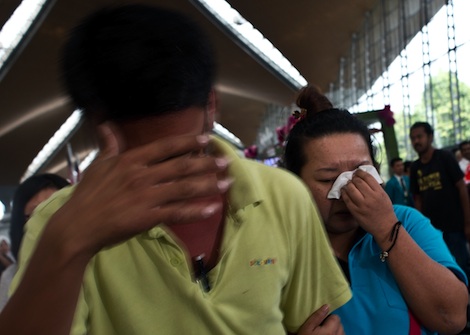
(167, 148)
(315, 320)
(173, 214)
(151, 153)
(189, 189)
(183, 166)
(180, 214)
(333, 325)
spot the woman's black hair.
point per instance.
(25, 191)
(320, 120)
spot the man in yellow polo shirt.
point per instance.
(169, 232)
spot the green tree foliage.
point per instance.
(446, 126)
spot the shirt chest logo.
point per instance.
(263, 261)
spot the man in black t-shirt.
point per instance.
(439, 191)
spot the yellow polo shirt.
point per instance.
(275, 268)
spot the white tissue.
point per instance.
(343, 178)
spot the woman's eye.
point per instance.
(327, 180)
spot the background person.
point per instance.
(6, 258)
(416, 285)
(169, 230)
(464, 162)
(29, 194)
(440, 192)
(398, 186)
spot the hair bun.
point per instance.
(312, 100)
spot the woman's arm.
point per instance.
(433, 292)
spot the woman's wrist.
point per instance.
(382, 234)
(392, 239)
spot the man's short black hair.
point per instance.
(461, 144)
(425, 125)
(394, 160)
(134, 61)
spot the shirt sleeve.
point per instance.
(452, 167)
(316, 274)
(34, 228)
(33, 231)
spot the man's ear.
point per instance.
(110, 139)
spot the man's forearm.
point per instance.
(48, 292)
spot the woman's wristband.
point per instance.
(393, 238)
